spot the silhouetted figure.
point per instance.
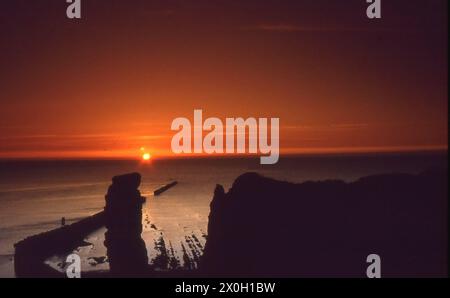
(126, 250)
(63, 221)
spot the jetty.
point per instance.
(164, 188)
(31, 252)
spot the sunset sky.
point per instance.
(111, 83)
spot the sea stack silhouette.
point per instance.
(126, 249)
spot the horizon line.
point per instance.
(228, 156)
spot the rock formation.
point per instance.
(126, 250)
(267, 228)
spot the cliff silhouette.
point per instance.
(267, 228)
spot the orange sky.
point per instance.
(108, 84)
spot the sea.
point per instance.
(36, 194)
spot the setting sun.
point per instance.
(146, 156)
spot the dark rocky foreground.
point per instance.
(264, 227)
(267, 228)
